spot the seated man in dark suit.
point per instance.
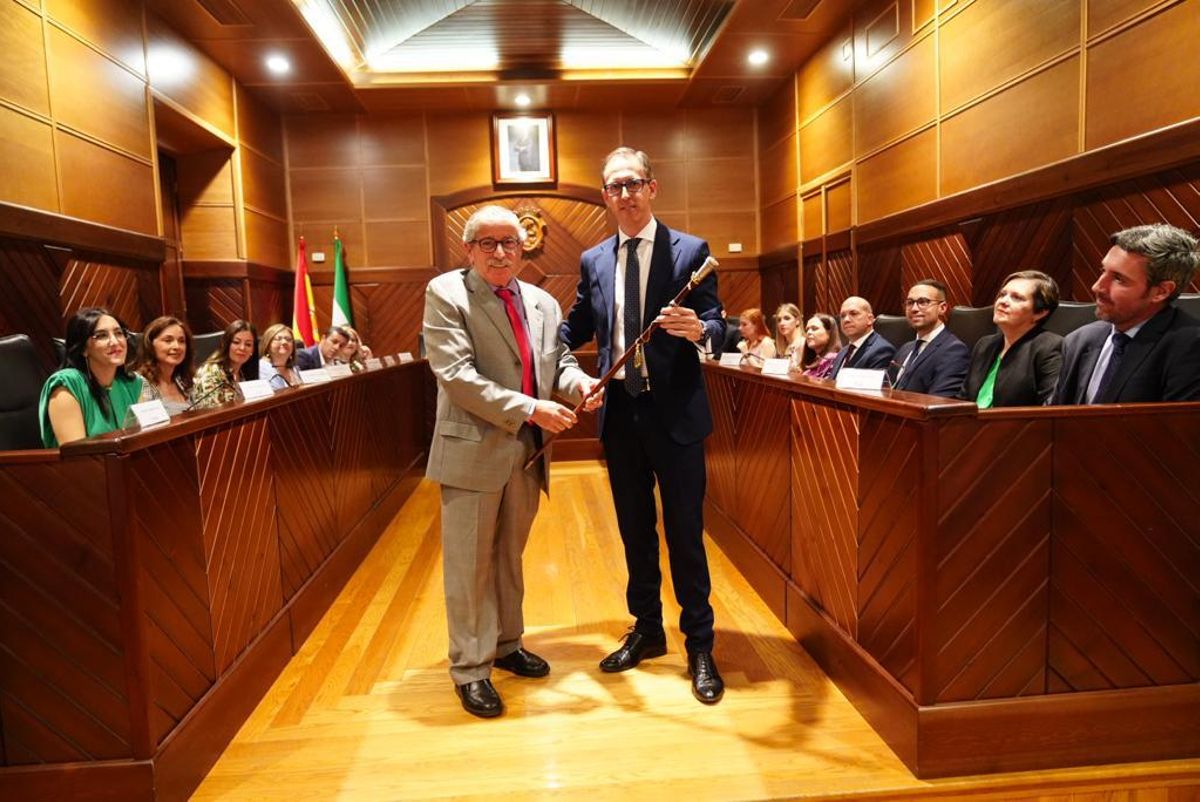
(1143, 348)
(326, 351)
(936, 361)
(865, 349)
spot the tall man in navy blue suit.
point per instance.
(936, 361)
(655, 415)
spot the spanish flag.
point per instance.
(304, 312)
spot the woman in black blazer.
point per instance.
(1018, 366)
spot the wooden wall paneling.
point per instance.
(717, 133)
(259, 127)
(84, 283)
(1033, 237)
(398, 243)
(104, 186)
(270, 302)
(839, 208)
(902, 176)
(264, 183)
(64, 696)
(393, 193)
(898, 99)
(396, 313)
(721, 229)
(352, 443)
(779, 224)
(391, 139)
(720, 450)
(326, 194)
(879, 276)
(113, 26)
(322, 140)
(459, 152)
(944, 257)
(1106, 14)
(777, 116)
(1140, 60)
(826, 141)
(27, 151)
(824, 508)
(29, 285)
(992, 549)
(583, 137)
(210, 233)
(237, 496)
(179, 71)
(166, 527)
(882, 29)
(840, 281)
(214, 304)
(779, 173)
(826, 76)
(266, 240)
(885, 558)
(739, 290)
(23, 71)
(1124, 604)
(761, 501)
(781, 281)
(812, 212)
(813, 283)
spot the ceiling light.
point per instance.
(758, 57)
(278, 64)
(522, 100)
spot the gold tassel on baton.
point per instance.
(636, 350)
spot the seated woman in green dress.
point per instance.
(92, 392)
(217, 380)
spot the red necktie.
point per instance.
(514, 318)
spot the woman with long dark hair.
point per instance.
(216, 381)
(164, 360)
(92, 392)
(822, 341)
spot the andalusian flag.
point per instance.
(304, 311)
(341, 316)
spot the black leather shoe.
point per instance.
(636, 648)
(707, 685)
(523, 664)
(479, 698)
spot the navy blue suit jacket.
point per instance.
(676, 381)
(939, 369)
(308, 358)
(876, 353)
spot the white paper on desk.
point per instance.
(731, 360)
(860, 379)
(314, 376)
(388, 360)
(256, 389)
(149, 413)
(374, 363)
(338, 371)
(776, 367)
(404, 356)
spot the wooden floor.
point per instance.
(366, 711)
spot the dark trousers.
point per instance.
(639, 452)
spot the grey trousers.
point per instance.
(483, 538)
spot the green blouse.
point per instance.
(988, 390)
(123, 394)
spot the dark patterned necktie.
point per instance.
(1119, 340)
(632, 315)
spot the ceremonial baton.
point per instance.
(635, 350)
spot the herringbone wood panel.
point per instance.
(739, 290)
(877, 278)
(117, 289)
(214, 304)
(270, 303)
(720, 448)
(1034, 237)
(1125, 608)
(841, 282)
(352, 443)
(762, 494)
(29, 295)
(944, 257)
(813, 291)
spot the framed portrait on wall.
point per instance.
(523, 149)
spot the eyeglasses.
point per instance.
(633, 185)
(283, 336)
(107, 336)
(489, 245)
(920, 303)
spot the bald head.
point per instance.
(856, 317)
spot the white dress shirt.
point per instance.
(645, 250)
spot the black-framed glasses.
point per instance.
(633, 186)
(106, 336)
(489, 245)
(920, 303)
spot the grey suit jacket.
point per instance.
(480, 407)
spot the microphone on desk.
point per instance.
(225, 382)
(750, 355)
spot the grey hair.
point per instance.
(1171, 253)
(639, 156)
(492, 216)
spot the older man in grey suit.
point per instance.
(492, 342)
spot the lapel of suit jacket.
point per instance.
(606, 272)
(1139, 348)
(1088, 354)
(659, 282)
(486, 299)
(537, 337)
(927, 349)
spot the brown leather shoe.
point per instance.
(523, 664)
(636, 648)
(707, 685)
(480, 698)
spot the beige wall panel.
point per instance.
(205, 178)
(322, 141)
(326, 194)
(395, 193)
(23, 68)
(1030, 124)
(779, 224)
(263, 183)
(185, 75)
(392, 139)
(838, 208)
(259, 126)
(716, 133)
(209, 232)
(460, 152)
(777, 117)
(903, 176)
(722, 228)
(115, 26)
(319, 238)
(106, 187)
(27, 153)
(92, 94)
(813, 216)
(583, 140)
(825, 143)
(1105, 14)
(676, 220)
(716, 184)
(266, 240)
(923, 12)
(777, 170)
(401, 244)
(672, 186)
(661, 136)
(1145, 78)
(827, 75)
(990, 43)
(896, 100)
(882, 29)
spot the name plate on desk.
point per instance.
(388, 360)
(374, 363)
(860, 379)
(776, 367)
(404, 356)
(315, 376)
(147, 414)
(338, 371)
(255, 389)
(731, 360)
